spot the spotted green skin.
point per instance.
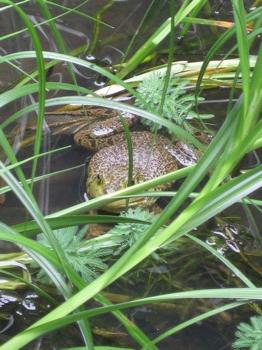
(108, 168)
(153, 156)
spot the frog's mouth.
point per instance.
(100, 186)
(121, 204)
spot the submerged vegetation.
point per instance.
(81, 267)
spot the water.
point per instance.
(122, 18)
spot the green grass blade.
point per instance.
(35, 247)
(154, 40)
(95, 101)
(235, 149)
(41, 82)
(56, 35)
(35, 250)
(50, 64)
(170, 56)
(193, 14)
(31, 228)
(34, 211)
(24, 161)
(195, 320)
(243, 48)
(229, 293)
(198, 212)
(220, 42)
(65, 13)
(129, 151)
(102, 200)
(235, 271)
(241, 186)
(42, 177)
(76, 11)
(255, 106)
(131, 43)
(8, 151)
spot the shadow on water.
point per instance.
(107, 45)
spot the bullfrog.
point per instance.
(153, 156)
(101, 130)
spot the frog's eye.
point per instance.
(99, 179)
(137, 178)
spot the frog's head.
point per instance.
(99, 184)
(96, 186)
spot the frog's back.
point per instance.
(151, 158)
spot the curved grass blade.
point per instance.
(77, 12)
(155, 39)
(50, 257)
(96, 101)
(221, 199)
(13, 94)
(219, 43)
(58, 38)
(102, 200)
(228, 293)
(73, 60)
(31, 228)
(24, 161)
(194, 215)
(170, 56)
(41, 292)
(196, 319)
(236, 272)
(37, 252)
(243, 48)
(68, 11)
(41, 81)
(8, 151)
(131, 42)
(42, 177)
(50, 64)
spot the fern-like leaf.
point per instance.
(178, 106)
(89, 258)
(249, 335)
(88, 264)
(130, 232)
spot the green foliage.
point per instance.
(227, 149)
(249, 335)
(88, 263)
(129, 233)
(178, 105)
(88, 257)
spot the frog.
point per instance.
(107, 170)
(101, 131)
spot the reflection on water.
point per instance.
(225, 238)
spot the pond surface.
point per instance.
(107, 45)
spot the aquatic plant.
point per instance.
(88, 263)
(129, 233)
(88, 257)
(249, 335)
(239, 134)
(178, 104)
